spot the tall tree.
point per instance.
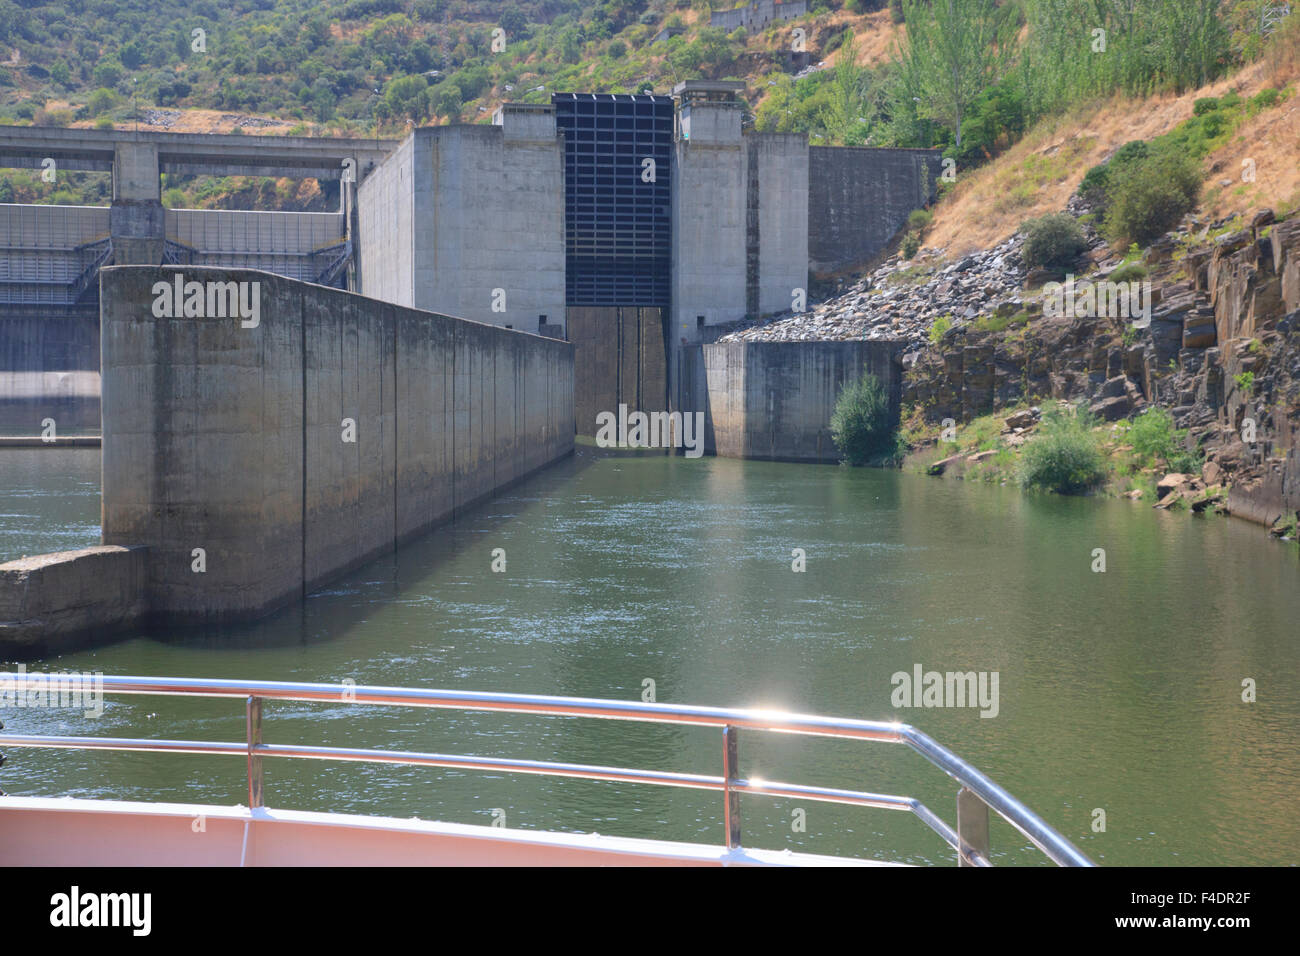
(843, 116)
(959, 47)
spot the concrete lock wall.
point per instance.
(780, 165)
(858, 199)
(231, 439)
(708, 228)
(773, 400)
(496, 222)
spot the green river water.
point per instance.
(1119, 691)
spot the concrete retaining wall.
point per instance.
(758, 15)
(231, 439)
(773, 400)
(50, 601)
(858, 199)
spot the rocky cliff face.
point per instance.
(1222, 352)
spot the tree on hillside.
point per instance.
(514, 22)
(958, 47)
(843, 116)
(407, 96)
(776, 114)
(1076, 49)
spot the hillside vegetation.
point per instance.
(970, 77)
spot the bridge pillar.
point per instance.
(348, 187)
(136, 218)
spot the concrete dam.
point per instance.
(285, 396)
(635, 227)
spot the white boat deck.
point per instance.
(44, 831)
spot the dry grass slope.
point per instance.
(1040, 173)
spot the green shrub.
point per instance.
(937, 331)
(1093, 186)
(1064, 457)
(1129, 272)
(1148, 197)
(911, 244)
(1000, 323)
(1052, 240)
(1213, 125)
(860, 424)
(1204, 105)
(918, 220)
(1245, 381)
(1264, 99)
(101, 101)
(1156, 441)
(1096, 181)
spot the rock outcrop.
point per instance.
(1221, 350)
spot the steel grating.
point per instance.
(618, 226)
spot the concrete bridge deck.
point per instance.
(217, 154)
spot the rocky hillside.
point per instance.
(1222, 353)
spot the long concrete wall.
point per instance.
(773, 400)
(232, 440)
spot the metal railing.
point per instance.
(978, 794)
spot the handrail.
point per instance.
(971, 847)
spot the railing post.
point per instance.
(972, 826)
(731, 798)
(254, 713)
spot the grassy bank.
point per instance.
(1061, 449)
